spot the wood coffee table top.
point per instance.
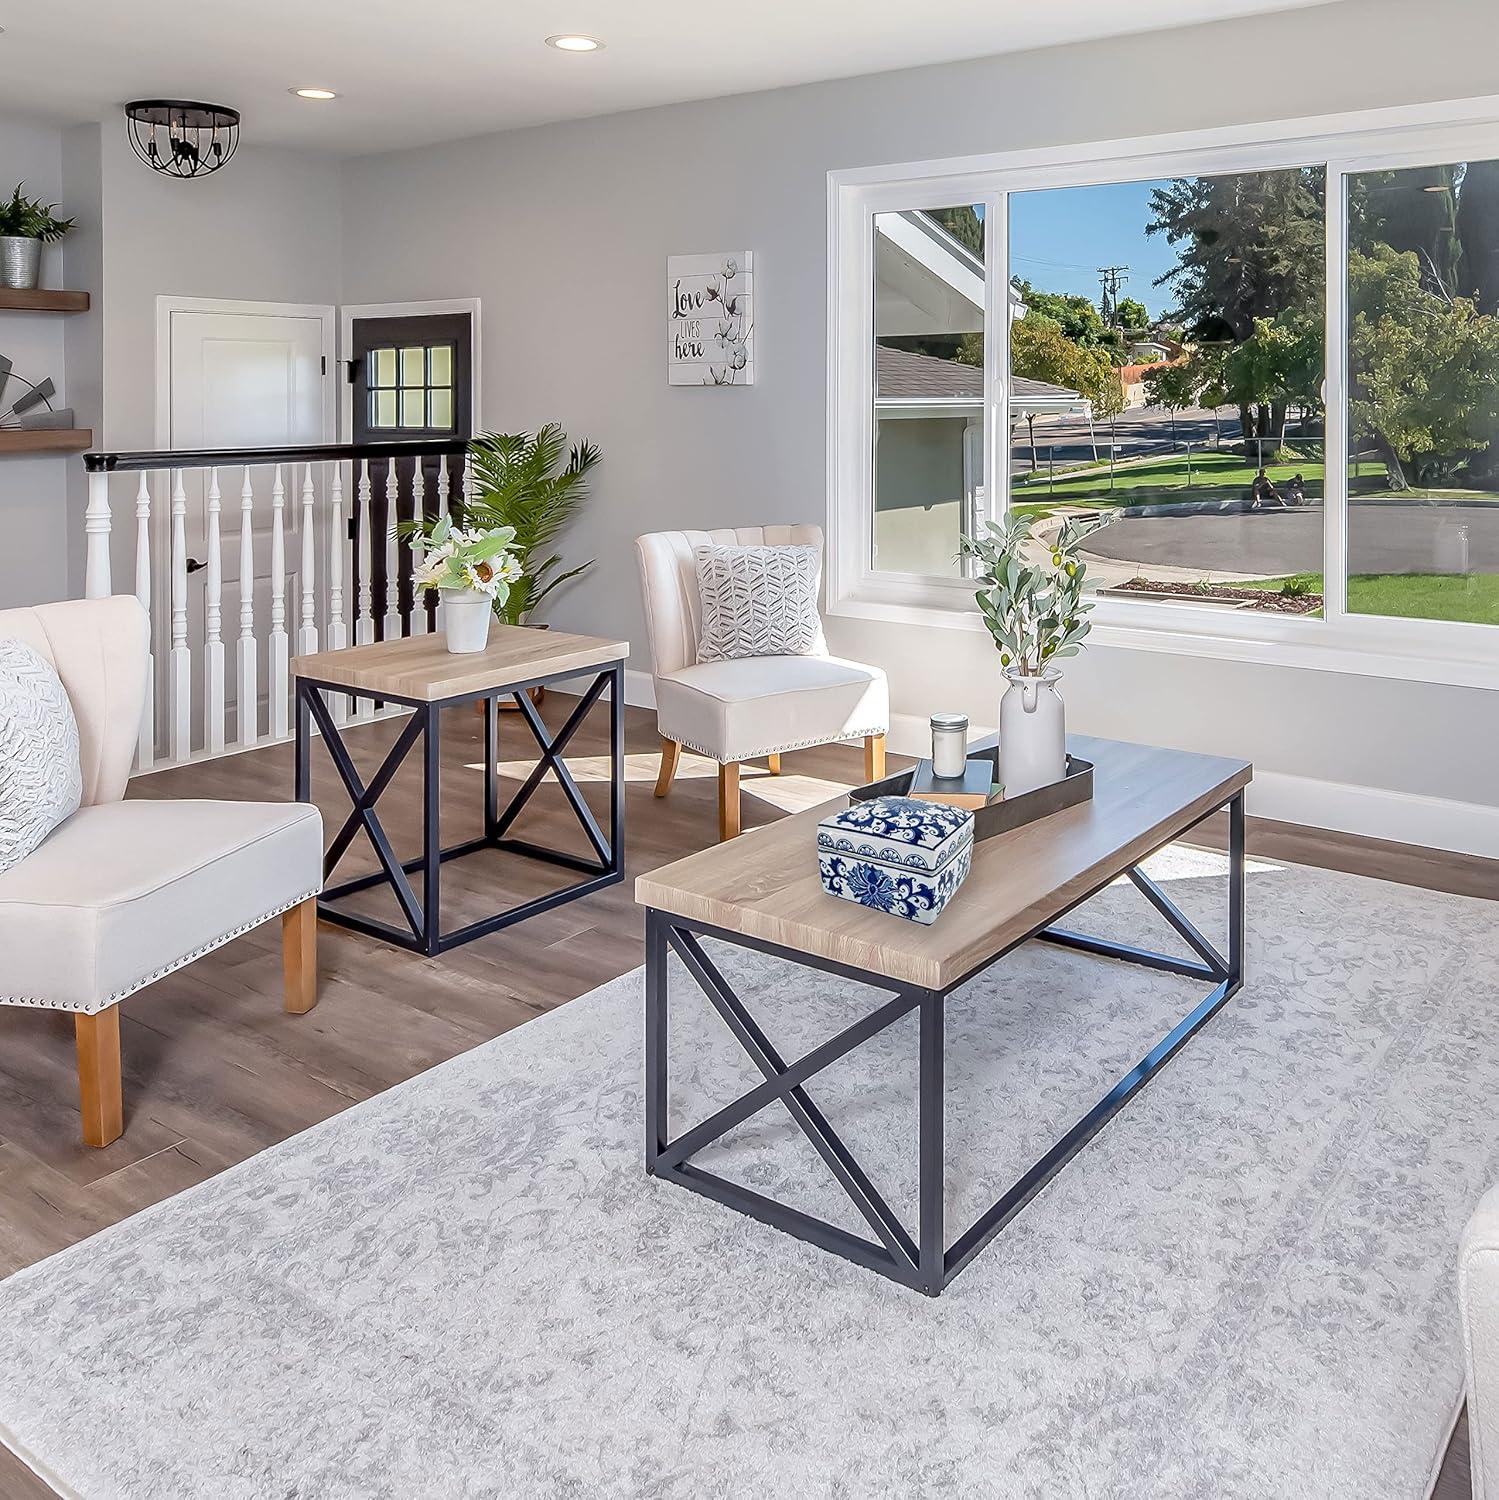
(420, 668)
(765, 884)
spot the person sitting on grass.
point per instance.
(1263, 490)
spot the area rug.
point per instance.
(1243, 1288)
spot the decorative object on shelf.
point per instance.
(949, 744)
(26, 224)
(973, 787)
(1030, 595)
(897, 855)
(33, 407)
(472, 570)
(710, 327)
(180, 137)
(998, 814)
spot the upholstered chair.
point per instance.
(1478, 1303)
(755, 707)
(123, 892)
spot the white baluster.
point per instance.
(418, 511)
(180, 666)
(392, 569)
(338, 631)
(145, 749)
(96, 537)
(213, 604)
(307, 619)
(364, 614)
(247, 681)
(280, 645)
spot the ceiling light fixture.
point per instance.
(182, 138)
(572, 42)
(313, 93)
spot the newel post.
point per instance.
(96, 534)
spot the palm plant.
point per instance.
(518, 480)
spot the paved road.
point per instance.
(1142, 430)
(1384, 536)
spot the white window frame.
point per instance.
(1424, 650)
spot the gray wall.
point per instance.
(33, 490)
(563, 232)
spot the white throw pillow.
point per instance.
(758, 601)
(41, 781)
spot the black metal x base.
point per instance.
(423, 932)
(927, 1261)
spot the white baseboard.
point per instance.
(1373, 812)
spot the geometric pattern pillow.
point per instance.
(41, 781)
(758, 601)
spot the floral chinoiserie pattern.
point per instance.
(896, 854)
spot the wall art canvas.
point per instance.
(710, 319)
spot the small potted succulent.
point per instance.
(26, 224)
(1031, 598)
(472, 569)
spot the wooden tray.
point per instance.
(1009, 812)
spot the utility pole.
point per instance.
(1111, 278)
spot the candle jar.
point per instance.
(949, 745)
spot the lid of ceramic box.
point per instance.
(898, 831)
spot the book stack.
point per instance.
(974, 789)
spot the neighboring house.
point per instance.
(1148, 351)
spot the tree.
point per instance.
(1173, 386)
(1421, 369)
(963, 224)
(1132, 314)
(1075, 315)
(1040, 350)
(1279, 363)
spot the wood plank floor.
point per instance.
(216, 1071)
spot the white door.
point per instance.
(242, 380)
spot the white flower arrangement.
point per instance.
(466, 559)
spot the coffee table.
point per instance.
(421, 673)
(762, 891)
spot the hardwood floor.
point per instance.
(215, 1070)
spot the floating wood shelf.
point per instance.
(42, 301)
(46, 440)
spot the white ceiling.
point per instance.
(410, 72)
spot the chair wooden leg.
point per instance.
(98, 1041)
(774, 762)
(671, 753)
(729, 825)
(299, 956)
(874, 757)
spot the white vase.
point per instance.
(465, 620)
(1032, 732)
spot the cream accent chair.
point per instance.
(760, 706)
(1478, 1303)
(124, 892)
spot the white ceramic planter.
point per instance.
(1032, 732)
(465, 620)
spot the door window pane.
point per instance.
(1166, 372)
(1423, 392)
(413, 366)
(382, 371)
(440, 409)
(413, 408)
(929, 386)
(440, 365)
(382, 408)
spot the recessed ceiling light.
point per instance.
(571, 42)
(313, 93)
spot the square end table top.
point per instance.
(765, 884)
(420, 668)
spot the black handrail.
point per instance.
(312, 453)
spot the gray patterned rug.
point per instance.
(466, 1286)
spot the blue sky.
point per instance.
(1059, 238)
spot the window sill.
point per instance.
(1362, 646)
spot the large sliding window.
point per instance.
(1272, 367)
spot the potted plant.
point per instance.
(1030, 596)
(26, 224)
(473, 568)
(518, 479)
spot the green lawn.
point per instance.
(1471, 598)
(1213, 476)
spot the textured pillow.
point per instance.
(41, 781)
(758, 601)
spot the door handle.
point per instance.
(193, 565)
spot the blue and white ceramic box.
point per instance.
(896, 854)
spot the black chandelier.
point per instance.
(182, 139)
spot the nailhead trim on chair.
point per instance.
(140, 984)
(853, 734)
